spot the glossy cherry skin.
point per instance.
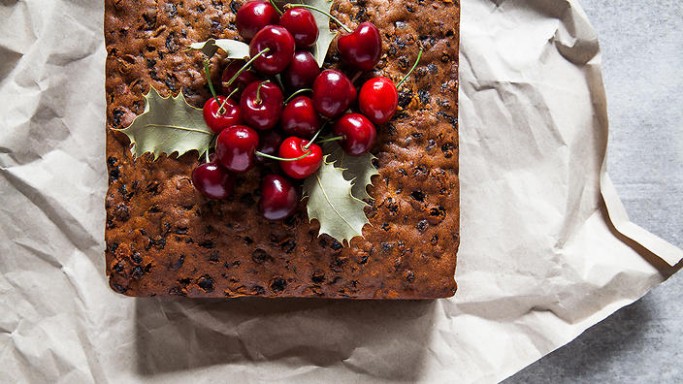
(279, 198)
(241, 82)
(281, 45)
(333, 93)
(292, 148)
(358, 133)
(235, 148)
(261, 108)
(299, 118)
(301, 24)
(218, 119)
(378, 99)
(253, 16)
(213, 181)
(301, 72)
(269, 144)
(362, 48)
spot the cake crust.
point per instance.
(164, 239)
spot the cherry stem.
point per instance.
(277, 9)
(308, 145)
(330, 139)
(244, 67)
(208, 159)
(258, 92)
(297, 93)
(347, 29)
(267, 156)
(419, 57)
(207, 71)
(356, 76)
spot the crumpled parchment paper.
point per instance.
(547, 249)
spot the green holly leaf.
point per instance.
(234, 49)
(331, 203)
(357, 169)
(168, 125)
(325, 37)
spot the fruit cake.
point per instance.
(166, 236)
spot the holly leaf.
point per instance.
(168, 125)
(235, 49)
(325, 37)
(331, 203)
(357, 169)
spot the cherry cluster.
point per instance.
(254, 121)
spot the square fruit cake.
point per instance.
(234, 129)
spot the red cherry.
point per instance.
(358, 133)
(253, 16)
(213, 181)
(261, 104)
(218, 119)
(292, 148)
(301, 24)
(299, 118)
(378, 99)
(281, 49)
(333, 93)
(279, 198)
(362, 48)
(269, 144)
(245, 78)
(301, 72)
(235, 148)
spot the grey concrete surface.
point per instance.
(642, 47)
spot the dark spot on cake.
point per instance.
(176, 291)
(386, 226)
(278, 284)
(435, 240)
(171, 43)
(137, 272)
(447, 150)
(114, 175)
(181, 231)
(248, 240)
(259, 256)
(208, 244)
(119, 288)
(424, 96)
(178, 263)
(410, 276)
(258, 290)
(171, 10)
(418, 195)
(136, 258)
(288, 246)
(247, 199)
(118, 268)
(452, 120)
(150, 18)
(234, 7)
(422, 225)
(113, 246)
(214, 257)
(318, 277)
(363, 260)
(121, 212)
(206, 283)
(111, 161)
(386, 247)
(336, 245)
(117, 115)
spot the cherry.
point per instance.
(243, 79)
(333, 93)
(269, 145)
(235, 148)
(253, 16)
(378, 99)
(357, 132)
(220, 113)
(299, 118)
(261, 104)
(213, 181)
(279, 198)
(362, 48)
(280, 45)
(295, 147)
(301, 24)
(301, 72)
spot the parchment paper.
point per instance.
(547, 249)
